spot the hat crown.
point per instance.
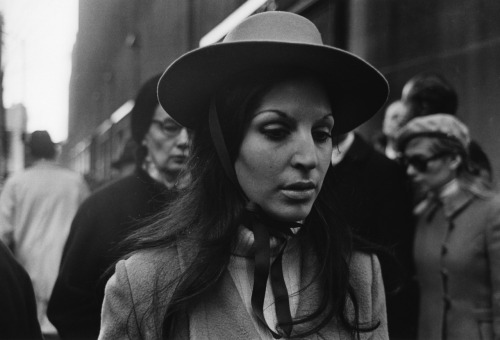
(276, 26)
(40, 137)
(439, 124)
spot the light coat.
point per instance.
(37, 206)
(221, 314)
(457, 257)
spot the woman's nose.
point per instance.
(305, 153)
(183, 138)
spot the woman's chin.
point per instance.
(290, 214)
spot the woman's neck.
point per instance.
(159, 176)
(244, 246)
(448, 188)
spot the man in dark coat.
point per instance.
(373, 194)
(18, 317)
(112, 213)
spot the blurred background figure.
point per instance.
(36, 209)
(427, 93)
(125, 164)
(457, 239)
(430, 93)
(18, 318)
(114, 211)
(396, 115)
(374, 197)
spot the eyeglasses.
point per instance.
(421, 164)
(168, 126)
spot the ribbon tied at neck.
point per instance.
(263, 228)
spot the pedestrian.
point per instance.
(457, 239)
(250, 249)
(429, 93)
(36, 209)
(115, 210)
(395, 117)
(374, 196)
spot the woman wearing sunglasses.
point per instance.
(457, 239)
(251, 249)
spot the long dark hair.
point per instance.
(141, 115)
(207, 214)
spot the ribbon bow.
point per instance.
(263, 228)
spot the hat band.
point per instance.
(220, 145)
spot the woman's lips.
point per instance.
(299, 195)
(178, 159)
(300, 191)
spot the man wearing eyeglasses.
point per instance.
(109, 215)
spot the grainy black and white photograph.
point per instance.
(249, 169)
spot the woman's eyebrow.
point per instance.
(278, 112)
(285, 115)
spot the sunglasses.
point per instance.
(421, 164)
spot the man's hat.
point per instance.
(41, 145)
(272, 39)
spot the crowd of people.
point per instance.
(253, 210)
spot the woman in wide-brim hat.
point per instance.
(251, 249)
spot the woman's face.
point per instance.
(428, 170)
(167, 143)
(286, 150)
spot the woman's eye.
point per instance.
(275, 133)
(321, 136)
(171, 127)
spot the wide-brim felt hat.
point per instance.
(270, 39)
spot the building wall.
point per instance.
(121, 43)
(458, 39)
(15, 125)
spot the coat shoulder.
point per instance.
(149, 269)
(138, 294)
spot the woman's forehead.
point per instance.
(160, 113)
(291, 94)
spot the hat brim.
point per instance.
(187, 86)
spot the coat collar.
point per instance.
(453, 199)
(224, 307)
(456, 201)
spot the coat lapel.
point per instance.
(310, 297)
(225, 309)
